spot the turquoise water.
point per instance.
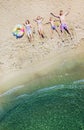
(59, 107)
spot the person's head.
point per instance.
(50, 19)
(28, 22)
(61, 12)
(38, 17)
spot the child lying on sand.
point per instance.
(53, 26)
(40, 27)
(63, 23)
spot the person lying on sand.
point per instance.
(53, 26)
(63, 23)
(40, 27)
(28, 29)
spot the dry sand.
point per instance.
(18, 55)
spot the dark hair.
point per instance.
(61, 10)
(28, 21)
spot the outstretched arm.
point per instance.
(54, 15)
(56, 20)
(24, 24)
(47, 23)
(35, 20)
(42, 18)
(67, 12)
(30, 26)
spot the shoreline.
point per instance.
(59, 61)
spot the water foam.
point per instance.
(10, 91)
(79, 81)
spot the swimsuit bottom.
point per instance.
(29, 32)
(63, 26)
(53, 27)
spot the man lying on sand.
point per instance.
(61, 17)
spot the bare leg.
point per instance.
(42, 33)
(61, 32)
(39, 33)
(30, 37)
(68, 32)
(57, 32)
(59, 35)
(51, 34)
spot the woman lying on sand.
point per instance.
(63, 25)
(28, 29)
(40, 27)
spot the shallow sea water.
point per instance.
(59, 107)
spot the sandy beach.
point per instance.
(18, 55)
(42, 82)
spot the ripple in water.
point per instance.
(59, 107)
